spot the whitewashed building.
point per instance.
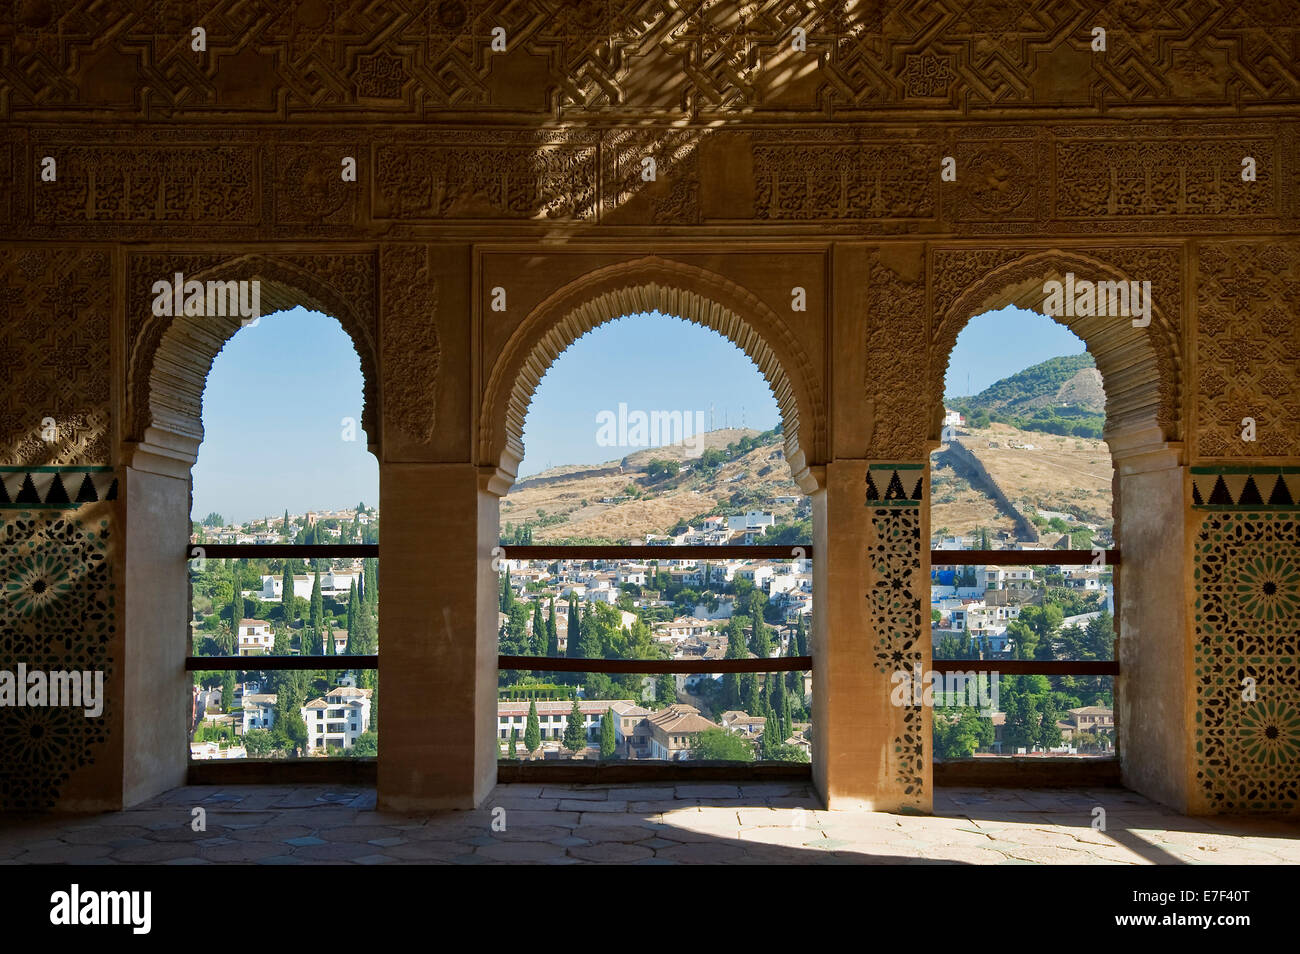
(335, 721)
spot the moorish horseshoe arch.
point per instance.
(1139, 366)
(169, 367)
(671, 288)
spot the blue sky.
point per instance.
(278, 393)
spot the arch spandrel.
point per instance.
(670, 288)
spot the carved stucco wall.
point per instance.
(227, 163)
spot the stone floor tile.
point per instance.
(611, 853)
(241, 852)
(706, 790)
(357, 833)
(336, 851)
(576, 805)
(605, 833)
(154, 852)
(576, 794)
(520, 851)
(706, 853)
(60, 853)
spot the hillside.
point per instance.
(1035, 471)
(623, 500)
(1060, 396)
(620, 501)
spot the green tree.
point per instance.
(608, 738)
(721, 745)
(507, 596)
(258, 743)
(537, 639)
(760, 639)
(370, 584)
(533, 729)
(227, 690)
(352, 615)
(214, 520)
(317, 603)
(366, 745)
(735, 650)
(575, 734)
(286, 593)
(512, 747)
(236, 602)
(552, 634)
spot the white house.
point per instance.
(757, 573)
(751, 520)
(273, 587)
(1003, 577)
(335, 583)
(632, 573)
(726, 609)
(259, 710)
(255, 637)
(683, 627)
(202, 751)
(1082, 577)
(553, 717)
(335, 721)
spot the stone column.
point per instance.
(1153, 708)
(155, 686)
(869, 574)
(437, 638)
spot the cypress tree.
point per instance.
(801, 636)
(370, 584)
(608, 740)
(776, 692)
(317, 602)
(533, 729)
(512, 748)
(538, 638)
(236, 601)
(735, 650)
(286, 592)
(507, 594)
(575, 735)
(574, 647)
(352, 614)
(749, 692)
(760, 639)
(552, 634)
(791, 650)
(286, 531)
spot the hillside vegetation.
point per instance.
(1060, 396)
(655, 490)
(1057, 406)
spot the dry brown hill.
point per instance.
(617, 502)
(1065, 474)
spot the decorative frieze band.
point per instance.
(56, 487)
(1241, 488)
